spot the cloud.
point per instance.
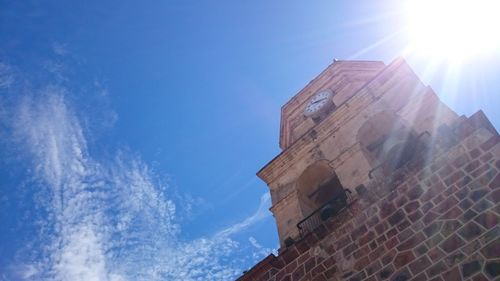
(59, 49)
(109, 219)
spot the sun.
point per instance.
(453, 30)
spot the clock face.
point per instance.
(318, 102)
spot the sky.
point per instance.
(131, 131)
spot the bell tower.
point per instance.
(379, 180)
(355, 120)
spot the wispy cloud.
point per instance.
(108, 219)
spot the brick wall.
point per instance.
(436, 220)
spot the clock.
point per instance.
(318, 104)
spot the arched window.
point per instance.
(386, 141)
(318, 185)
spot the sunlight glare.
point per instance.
(453, 29)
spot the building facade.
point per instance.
(379, 180)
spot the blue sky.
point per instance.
(131, 131)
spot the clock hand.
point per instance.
(318, 101)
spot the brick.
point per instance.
(407, 233)
(366, 238)
(434, 190)
(391, 243)
(372, 221)
(358, 232)
(329, 262)
(454, 178)
(492, 250)
(472, 166)
(445, 171)
(358, 277)
(479, 277)
(487, 220)
(415, 216)
(452, 243)
(495, 183)
(381, 227)
(463, 181)
(479, 171)
(434, 241)
(419, 265)
(482, 206)
(462, 193)
(436, 269)
(435, 254)
(411, 207)
(476, 195)
(490, 143)
(298, 273)
(386, 272)
(403, 259)
(486, 157)
(467, 216)
(319, 278)
(389, 257)
(361, 263)
(330, 272)
(460, 160)
(342, 242)
(470, 231)
(475, 153)
(349, 249)
(403, 225)
(453, 213)
(309, 264)
(316, 270)
(420, 250)
(492, 268)
(468, 269)
(446, 205)
(377, 253)
(401, 201)
(402, 275)
(396, 217)
(491, 235)
(289, 255)
(452, 274)
(361, 252)
(429, 217)
(386, 209)
(411, 242)
(415, 193)
(465, 204)
(373, 268)
(494, 196)
(454, 258)
(432, 229)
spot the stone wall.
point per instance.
(436, 220)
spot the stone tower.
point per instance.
(379, 180)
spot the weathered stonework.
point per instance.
(434, 218)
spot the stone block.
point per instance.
(452, 243)
(470, 268)
(492, 250)
(419, 265)
(492, 268)
(488, 219)
(470, 231)
(403, 259)
(436, 269)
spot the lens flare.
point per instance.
(453, 29)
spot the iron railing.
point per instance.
(331, 208)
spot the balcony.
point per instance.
(332, 208)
